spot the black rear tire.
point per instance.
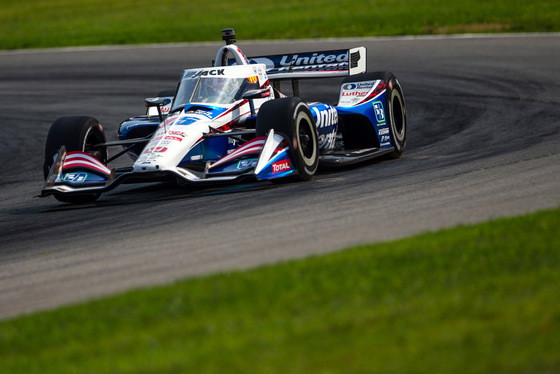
(75, 133)
(397, 115)
(292, 118)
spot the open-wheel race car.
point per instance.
(229, 121)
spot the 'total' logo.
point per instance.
(281, 166)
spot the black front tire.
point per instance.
(75, 133)
(292, 118)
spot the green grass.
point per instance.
(56, 23)
(473, 299)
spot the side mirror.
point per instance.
(157, 102)
(256, 94)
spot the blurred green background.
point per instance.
(58, 23)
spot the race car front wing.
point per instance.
(262, 158)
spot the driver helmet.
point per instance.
(223, 86)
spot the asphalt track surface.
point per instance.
(483, 143)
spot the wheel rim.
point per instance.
(306, 140)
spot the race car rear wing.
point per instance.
(322, 64)
(306, 65)
(295, 66)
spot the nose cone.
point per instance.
(169, 145)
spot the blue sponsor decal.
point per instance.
(187, 121)
(379, 111)
(308, 61)
(82, 177)
(245, 164)
(235, 167)
(326, 120)
(75, 177)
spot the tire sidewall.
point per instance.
(397, 115)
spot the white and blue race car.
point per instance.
(230, 122)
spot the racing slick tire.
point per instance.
(76, 133)
(395, 108)
(292, 118)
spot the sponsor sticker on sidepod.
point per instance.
(352, 93)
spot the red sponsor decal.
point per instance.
(155, 150)
(281, 166)
(354, 93)
(176, 138)
(180, 133)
